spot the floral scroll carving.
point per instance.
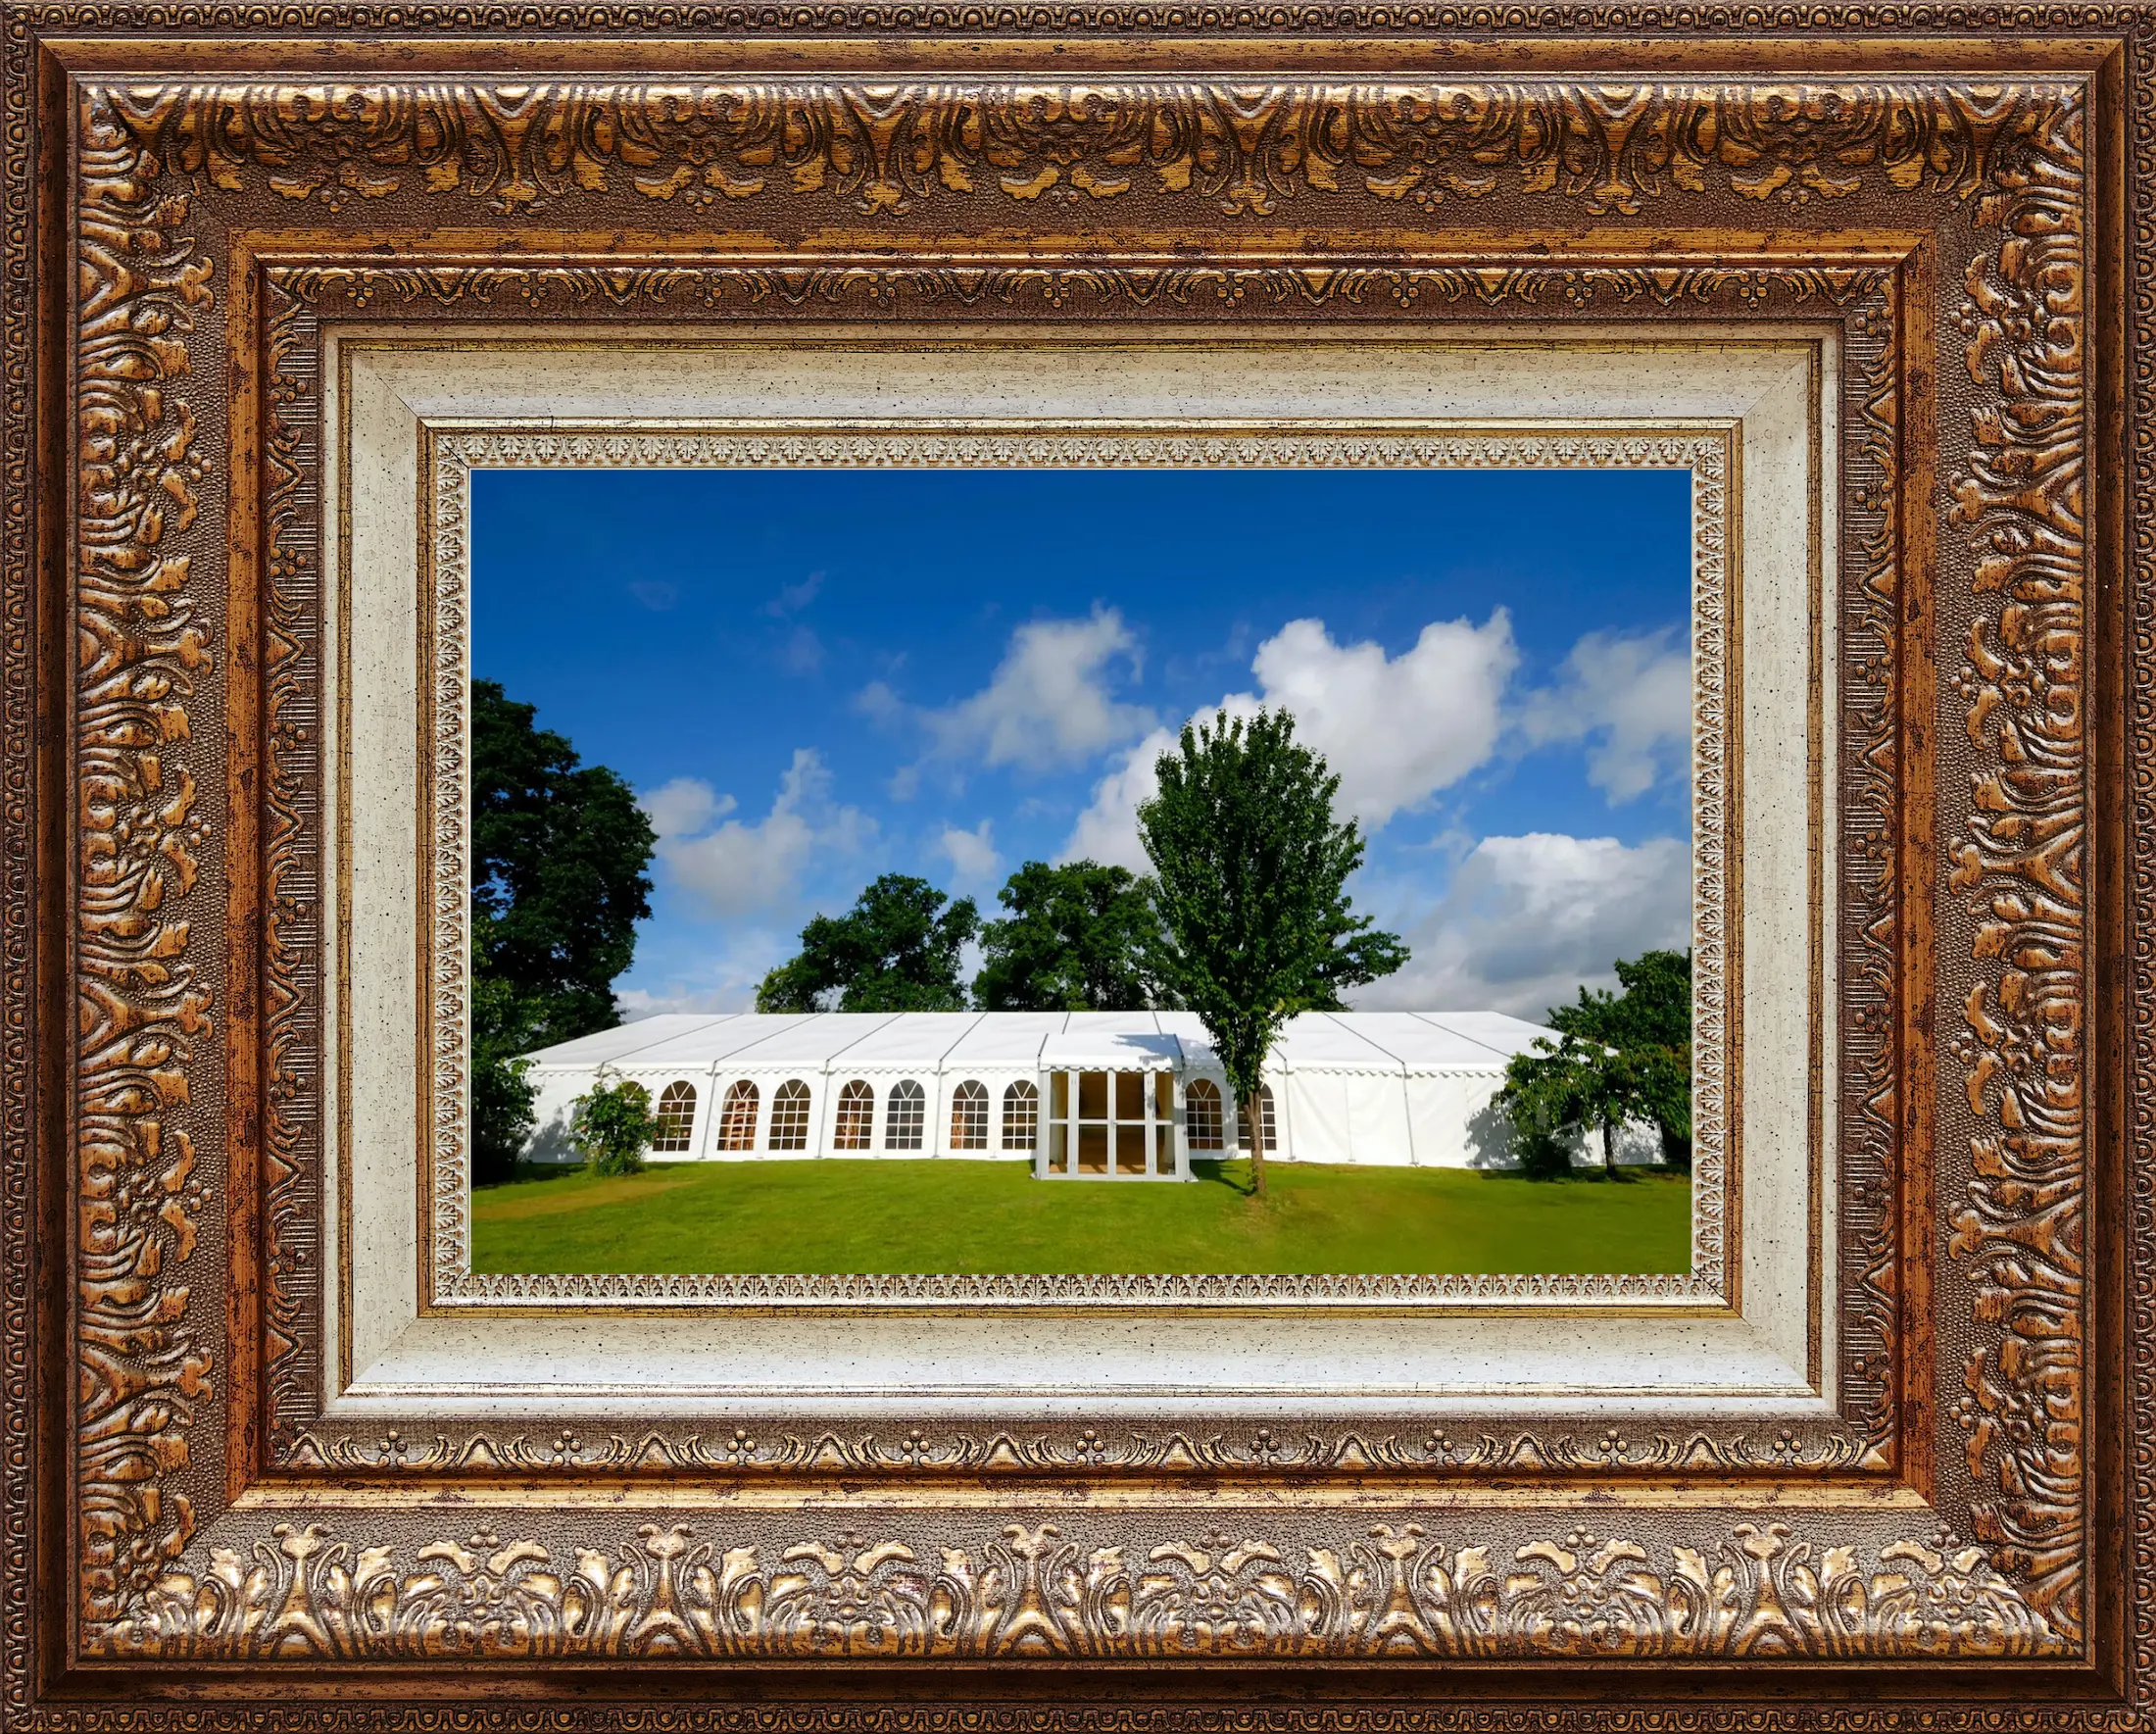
(143, 1011)
(2010, 151)
(1240, 150)
(1391, 1592)
(2021, 868)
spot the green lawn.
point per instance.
(840, 1217)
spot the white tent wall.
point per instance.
(1347, 1087)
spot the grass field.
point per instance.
(840, 1217)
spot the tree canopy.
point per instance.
(1080, 938)
(1617, 1057)
(1253, 869)
(559, 852)
(896, 950)
(1649, 1019)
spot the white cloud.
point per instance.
(683, 806)
(635, 1004)
(1108, 830)
(722, 977)
(793, 598)
(742, 867)
(973, 856)
(1395, 730)
(1527, 920)
(1630, 698)
(1050, 701)
(802, 652)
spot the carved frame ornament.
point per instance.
(1969, 194)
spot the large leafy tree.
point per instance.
(1253, 869)
(1079, 937)
(1649, 1021)
(1618, 1056)
(558, 857)
(896, 950)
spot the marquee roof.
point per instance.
(1392, 1041)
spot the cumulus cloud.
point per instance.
(1527, 920)
(719, 977)
(1051, 702)
(972, 854)
(1629, 697)
(1108, 830)
(686, 804)
(741, 868)
(1397, 729)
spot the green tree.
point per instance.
(559, 852)
(613, 1126)
(1618, 1056)
(1564, 1087)
(896, 950)
(502, 1095)
(1649, 1021)
(1253, 869)
(1079, 938)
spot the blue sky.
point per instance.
(814, 676)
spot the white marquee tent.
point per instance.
(1392, 1088)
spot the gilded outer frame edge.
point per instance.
(1987, 1219)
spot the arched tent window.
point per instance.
(904, 1117)
(737, 1119)
(1021, 1116)
(676, 1116)
(1265, 1114)
(969, 1116)
(790, 1115)
(857, 1117)
(1201, 1117)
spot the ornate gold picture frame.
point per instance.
(1941, 1518)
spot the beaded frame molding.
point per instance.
(191, 1540)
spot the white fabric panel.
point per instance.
(910, 1041)
(1104, 1050)
(1321, 1040)
(1377, 1120)
(1439, 1108)
(1316, 1106)
(1506, 1036)
(1416, 1041)
(1009, 1039)
(807, 1039)
(624, 1039)
(719, 1038)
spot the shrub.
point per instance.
(615, 1125)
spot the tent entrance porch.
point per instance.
(1111, 1126)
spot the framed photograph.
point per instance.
(916, 867)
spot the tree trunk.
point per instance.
(1254, 1120)
(1609, 1154)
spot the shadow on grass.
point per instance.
(1235, 1175)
